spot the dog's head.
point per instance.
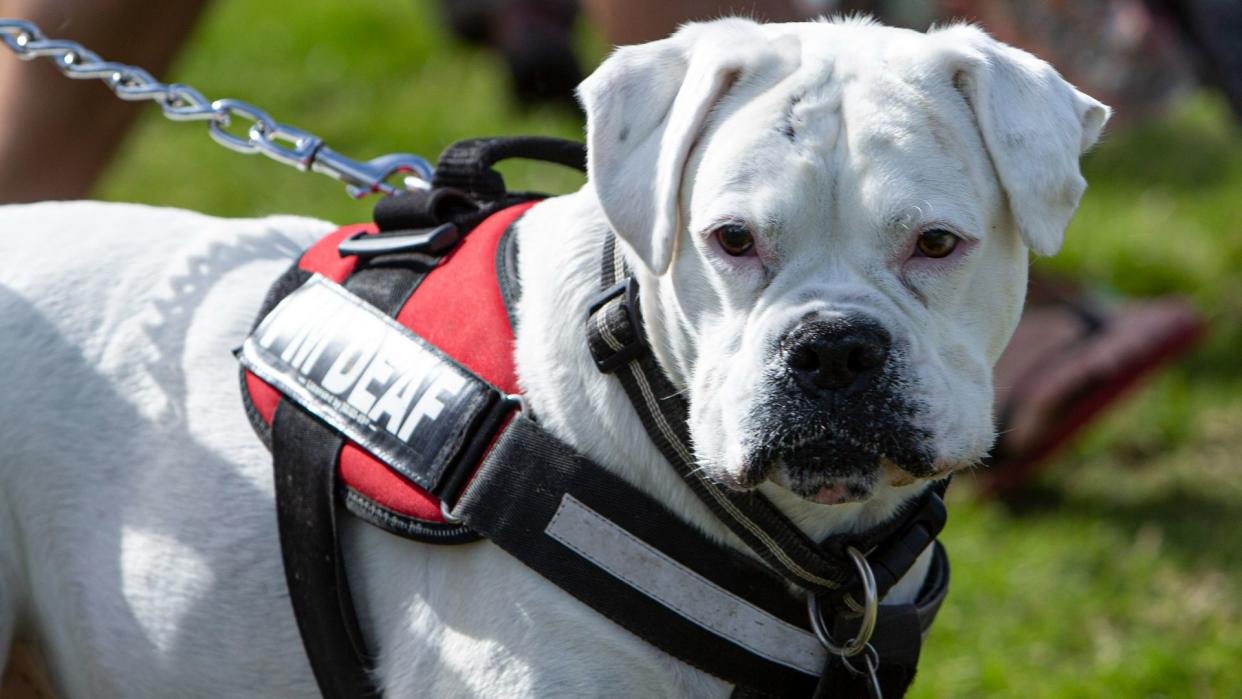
(831, 221)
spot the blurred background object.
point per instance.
(533, 37)
(1113, 571)
(637, 21)
(1138, 55)
(57, 135)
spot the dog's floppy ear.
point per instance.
(646, 108)
(1034, 124)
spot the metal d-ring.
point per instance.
(871, 604)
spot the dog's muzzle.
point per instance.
(837, 406)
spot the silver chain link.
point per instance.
(280, 142)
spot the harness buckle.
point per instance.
(899, 551)
(621, 333)
(432, 241)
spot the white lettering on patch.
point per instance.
(430, 405)
(364, 374)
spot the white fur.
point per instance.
(137, 536)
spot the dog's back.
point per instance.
(119, 411)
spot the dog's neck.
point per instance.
(559, 260)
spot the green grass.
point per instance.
(1119, 574)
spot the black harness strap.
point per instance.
(552, 478)
(304, 458)
(527, 528)
(304, 464)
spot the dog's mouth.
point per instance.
(824, 488)
(828, 471)
(833, 449)
(829, 467)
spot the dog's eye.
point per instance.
(735, 239)
(936, 242)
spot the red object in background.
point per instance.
(1066, 364)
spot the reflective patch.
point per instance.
(372, 379)
(648, 570)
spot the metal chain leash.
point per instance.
(265, 135)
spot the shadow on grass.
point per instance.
(1193, 526)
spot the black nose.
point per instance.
(837, 354)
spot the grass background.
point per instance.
(1118, 574)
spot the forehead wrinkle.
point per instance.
(839, 171)
(902, 146)
(814, 109)
(909, 117)
(789, 123)
(801, 203)
(740, 175)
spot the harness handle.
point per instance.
(467, 165)
(466, 188)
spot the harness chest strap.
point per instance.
(621, 552)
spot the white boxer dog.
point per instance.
(830, 224)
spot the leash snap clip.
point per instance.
(363, 178)
(871, 604)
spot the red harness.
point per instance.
(459, 308)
